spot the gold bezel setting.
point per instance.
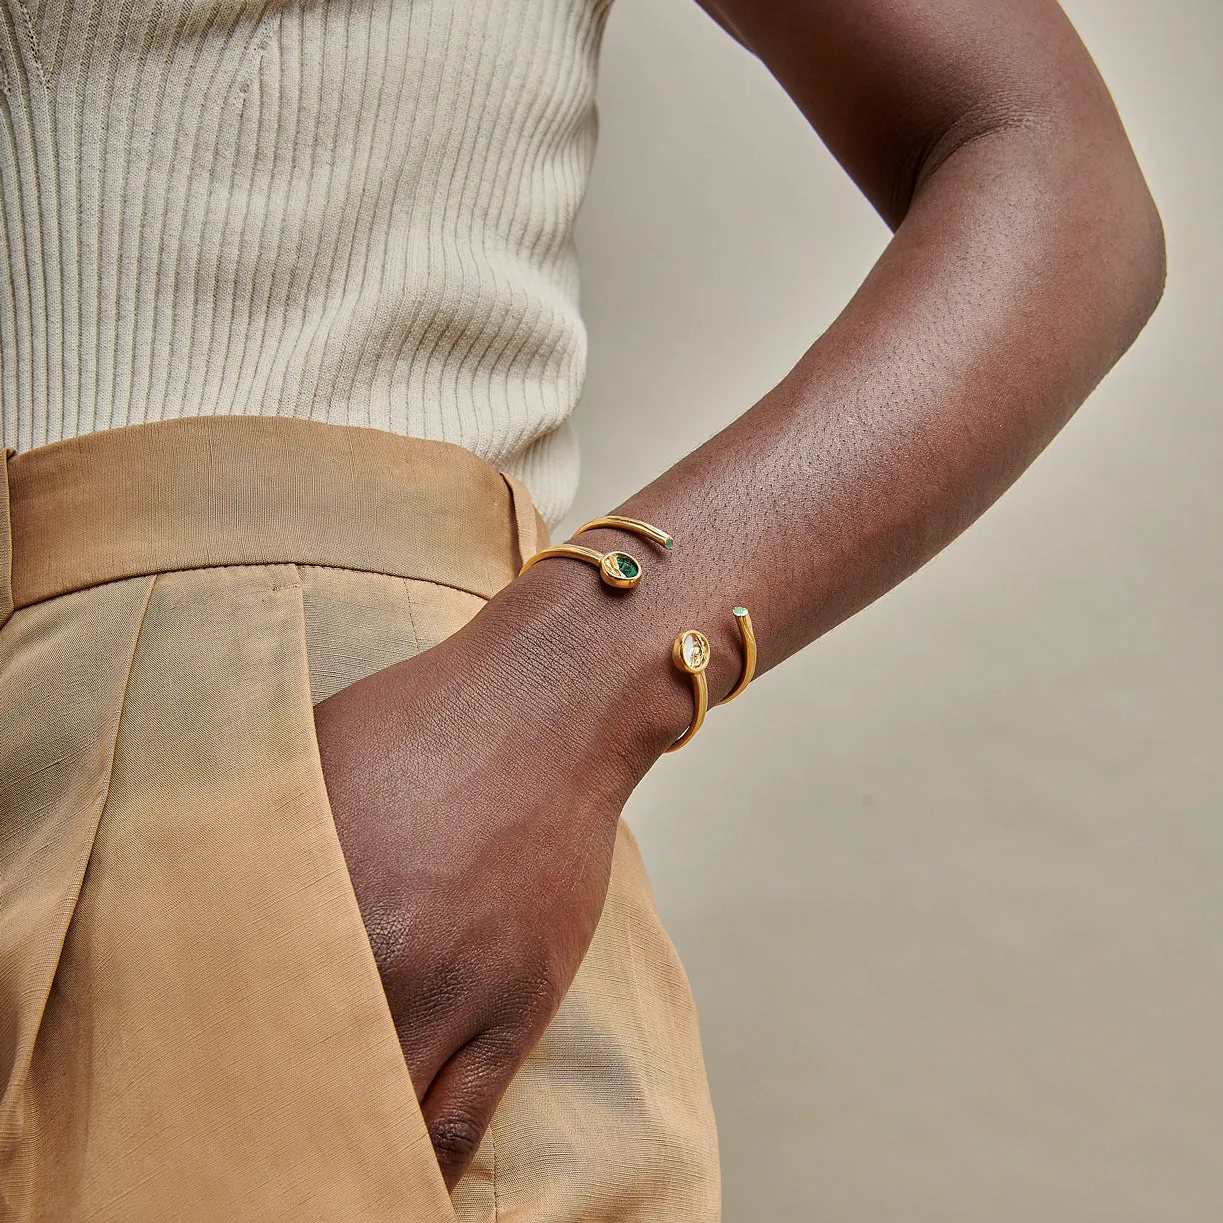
(691, 651)
(617, 569)
(620, 569)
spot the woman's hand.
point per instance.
(476, 800)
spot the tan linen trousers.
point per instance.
(191, 1022)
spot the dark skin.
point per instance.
(1026, 256)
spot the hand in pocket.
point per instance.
(478, 825)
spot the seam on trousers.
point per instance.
(407, 591)
(523, 510)
(316, 762)
(21, 1066)
(407, 594)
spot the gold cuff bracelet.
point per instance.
(691, 655)
(619, 569)
(749, 653)
(629, 524)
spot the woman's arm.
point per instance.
(1027, 255)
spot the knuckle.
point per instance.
(547, 986)
(535, 995)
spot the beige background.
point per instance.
(949, 884)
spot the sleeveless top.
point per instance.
(357, 211)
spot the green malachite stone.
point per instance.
(739, 611)
(627, 566)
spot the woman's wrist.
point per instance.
(667, 601)
(590, 660)
(600, 658)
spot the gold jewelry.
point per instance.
(629, 524)
(749, 653)
(691, 655)
(617, 569)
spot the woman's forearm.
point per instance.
(1027, 263)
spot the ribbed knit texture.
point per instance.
(357, 211)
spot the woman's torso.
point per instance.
(356, 212)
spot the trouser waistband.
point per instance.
(203, 491)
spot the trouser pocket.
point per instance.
(217, 1016)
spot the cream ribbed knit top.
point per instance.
(358, 211)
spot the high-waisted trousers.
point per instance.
(192, 1026)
